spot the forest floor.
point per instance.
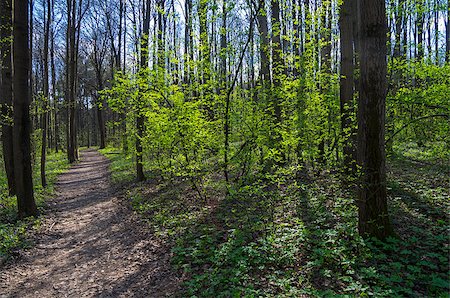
(90, 244)
(293, 233)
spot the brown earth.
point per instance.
(90, 245)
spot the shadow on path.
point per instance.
(90, 245)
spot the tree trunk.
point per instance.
(447, 34)
(223, 44)
(97, 61)
(278, 65)
(22, 124)
(263, 47)
(6, 111)
(140, 120)
(419, 29)
(346, 87)
(55, 100)
(47, 20)
(399, 12)
(204, 46)
(372, 197)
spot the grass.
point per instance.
(294, 234)
(13, 232)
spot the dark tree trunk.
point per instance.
(47, 21)
(30, 61)
(55, 100)
(70, 40)
(398, 28)
(419, 28)
(71, 76)
(372, 197)
(97, 61)
(140, 120)
(263, 47)
(346, 87)
(325, 57)
(6, 92)
(22, 123)
(161, 36)
(204, 46)
(277, 67)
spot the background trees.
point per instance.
(268, 122)
(195, 87)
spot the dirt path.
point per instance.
(90, 245)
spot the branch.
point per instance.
(413, 121)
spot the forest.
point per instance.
(224, 148)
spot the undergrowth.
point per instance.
(294, 234)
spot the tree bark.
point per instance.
(372, 197)
(47, 20)
(6, 110)
(22, 124)
(346, 87)
(70, 99)
(140, 120)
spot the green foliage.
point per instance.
(175, 128)
(283, 225)
(419, 90)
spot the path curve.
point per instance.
(90, 245)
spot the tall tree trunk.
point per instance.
(140, 120)
(22, 123)
(70, 96)
(372, 197)
(204, 45)
(6, 111)
(47, 20)
(223, 44)
(447, 34)
(419, 28)
(346, 87)
(263, 47)
(161, 37)
(30, 85)
(324, 40)
(277, 73)
(399, 12)
(436, 31)
(55, 99)
(97, 61)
